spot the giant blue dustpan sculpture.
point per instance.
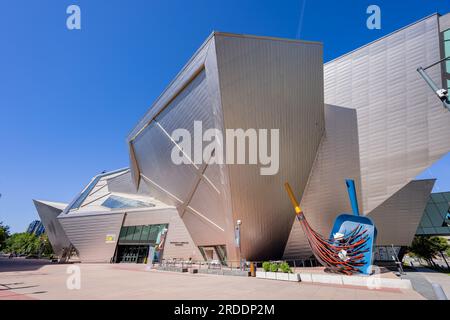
(347, 225)
(349, 248)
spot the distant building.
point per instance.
(36, 227)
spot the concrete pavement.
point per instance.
(25, 279)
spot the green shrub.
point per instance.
(266, 266)
(274, 267)
(284, 267)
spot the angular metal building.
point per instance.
(366, 116)
(395, 128)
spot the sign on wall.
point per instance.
(110, 238)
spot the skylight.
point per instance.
(116, 202)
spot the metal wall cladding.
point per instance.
(325, 195)
(178, 243)
(98, 194)
(399, 216)
(124, 184)
(183, 78)
(402, 126)
(444, 22)
(56, 235)
(88, 234)
(185, 182)
(240, 82)
(270, 84)
(153, 150)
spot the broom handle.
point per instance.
(352, 195)
(294, 201)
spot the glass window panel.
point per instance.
(425, 222)
(153, 233)
(438, 197)
(434, 214)
(429, 230)
(442, 230)
(145, 232)
(447, 194)
(130, 233)
(447, 35)
(137, 233)
(447, 49)
(123, 233)
(443, 208)
(116, 202)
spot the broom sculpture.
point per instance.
(344, 252)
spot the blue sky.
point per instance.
(69, 98)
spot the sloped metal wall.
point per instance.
(402, 126)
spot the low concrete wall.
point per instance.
(295, 277)
(225, 272)
(373, 282)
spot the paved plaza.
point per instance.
(34, 279)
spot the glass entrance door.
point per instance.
(132, 253)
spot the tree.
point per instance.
(428, 248)
(45, 246)
(4, 235)
(28, 243)
(23, 243)
(441, 246)
(423, 248)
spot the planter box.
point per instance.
(305, 277)
(278, 276)
(294, 277)
(288, 276)
(282, 276)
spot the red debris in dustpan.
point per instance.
(344, 254)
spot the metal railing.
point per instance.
(232, 265)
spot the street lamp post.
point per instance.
(237, 236)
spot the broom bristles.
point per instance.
(351, 246)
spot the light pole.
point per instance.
(237, 237)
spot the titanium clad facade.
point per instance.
(94, 227)
(400, 129)
(88, 234)
(236, 82)
(325, 196)
(402, 126)
(271, 84)
(366, 116)
(48, 212)
(402, 212)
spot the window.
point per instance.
(447, 53)
(137, 233)
(143, 234)
(115, 202)
(130, 233)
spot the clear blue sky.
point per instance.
(69, 98)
